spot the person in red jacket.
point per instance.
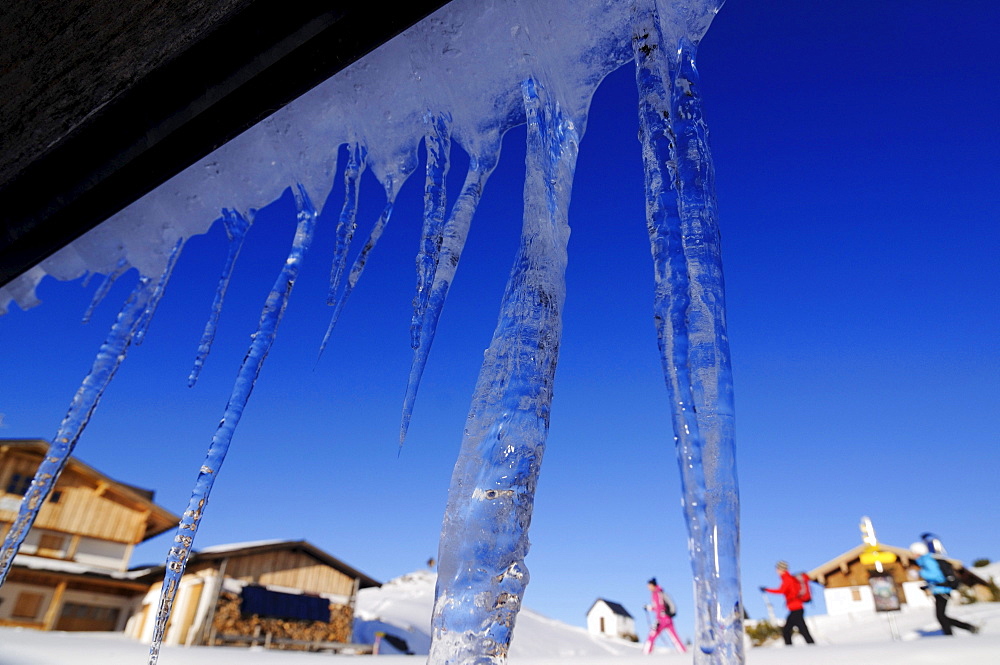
(790, 588)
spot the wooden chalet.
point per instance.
(285, 594)
(72, 571)
(845, 579)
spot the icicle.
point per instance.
(711, 369)
(691, 328)
(348, 217)
(274, 309)
(143, 324)
(481, 573)
(109, 359)
(236, 226)
(359, 264)
(437, 141)
(456, 230)
(103, 289)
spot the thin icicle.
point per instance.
(104, 288)
(348, 216)
(236, 226)
(359, 264)
(484, 538)
(437, 141)
(691, 334)
(456, 230)
(274, 309)
(147, 316)
(109, 358)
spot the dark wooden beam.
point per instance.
(137, 122)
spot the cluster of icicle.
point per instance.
(464, 76)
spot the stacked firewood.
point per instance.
(229, 622)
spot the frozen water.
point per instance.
(236, 226)
(481, 569)
(690, 317)
(109, 358)
(270, 318)
(464, 76)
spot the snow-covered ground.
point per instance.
(402, 607)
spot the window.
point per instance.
(19, 483)
(75, 616)
(27, 606)
(51, 543)
(55, 496)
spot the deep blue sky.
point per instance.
(856, 148)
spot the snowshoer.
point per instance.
(664, 610)
(791, 589)
(930, 571)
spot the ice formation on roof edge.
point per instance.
(457, 63)
(383, 107)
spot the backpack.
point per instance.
(805, 594)
(948, 573)
(668, 605)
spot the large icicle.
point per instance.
(236, 226)
(267, 330)
(109, 358)
(690, 321)
(481, 570)
(456, 231)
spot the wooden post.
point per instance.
(209, 626)
(74, 545)
(55, 605)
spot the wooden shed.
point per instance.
(280, 593)
(72, 571)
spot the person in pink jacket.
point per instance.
(664, 610)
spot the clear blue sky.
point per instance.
(856, 150)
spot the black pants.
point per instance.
(796, 619)
(940, 603)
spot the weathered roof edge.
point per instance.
(164, 518)
(237, 549)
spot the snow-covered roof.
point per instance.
(820, 572)
(259, 546)
(74, 568)
(616, 608)
(232, 547)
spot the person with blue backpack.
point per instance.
(940, 585)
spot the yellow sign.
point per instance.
(869, 558)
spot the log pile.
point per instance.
(229, 622)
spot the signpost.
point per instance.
(886, 596)
(883, 586)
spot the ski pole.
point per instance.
(770, 608)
